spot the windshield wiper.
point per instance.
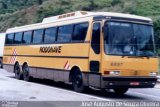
(130, 56)
(142, 56)
(136, 57)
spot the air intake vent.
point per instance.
(65, 16)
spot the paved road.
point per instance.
(17, 90)
(44, 90)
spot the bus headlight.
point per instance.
(114, 72)
(153, 74)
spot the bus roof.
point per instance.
(80, 14)
(76, 15)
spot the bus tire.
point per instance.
(77, 82)
(26, 75)
(120, 91)
(17, 71)
(1, 63)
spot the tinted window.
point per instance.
(50, 35)
(65, 33)
(38, 36)
(80, 31)
(96, 38)
(9, 38)
(18, 38)
(27, 37)
(129, 39)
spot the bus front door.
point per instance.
(95, 56)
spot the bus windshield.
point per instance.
(129, 39)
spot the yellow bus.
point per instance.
(88, 49)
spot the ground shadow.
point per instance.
(97, 93)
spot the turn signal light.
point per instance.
(106, 72)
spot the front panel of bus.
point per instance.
(128, 55)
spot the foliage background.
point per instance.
(21, 12)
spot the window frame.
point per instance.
(92, 45)
(56, 39)
(58, 35)
(15, 37)
(7, 38)
(86, 32)
(31, 37)
(33, 32)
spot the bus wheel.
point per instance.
(1, 64)
(26, 75)
(78, 82)
(17, 71)
(120, 91)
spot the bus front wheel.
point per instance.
(78, 82)
(120, 91)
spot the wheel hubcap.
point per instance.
(78, 81)
(26, 73)
(17, 71)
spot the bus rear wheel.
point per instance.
(77, 82)
(26, 75)
(17, 71)
(120, 91)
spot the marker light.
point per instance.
(153, 74)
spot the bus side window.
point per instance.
(18, 38)
(9, 38)
(96, 38)
(80, 31)
(27, 37)
(65, 33)
(50, 35)
(38, 36)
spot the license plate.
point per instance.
(134, 83)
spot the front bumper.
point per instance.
(128, 82)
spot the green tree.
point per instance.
(40, 2)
